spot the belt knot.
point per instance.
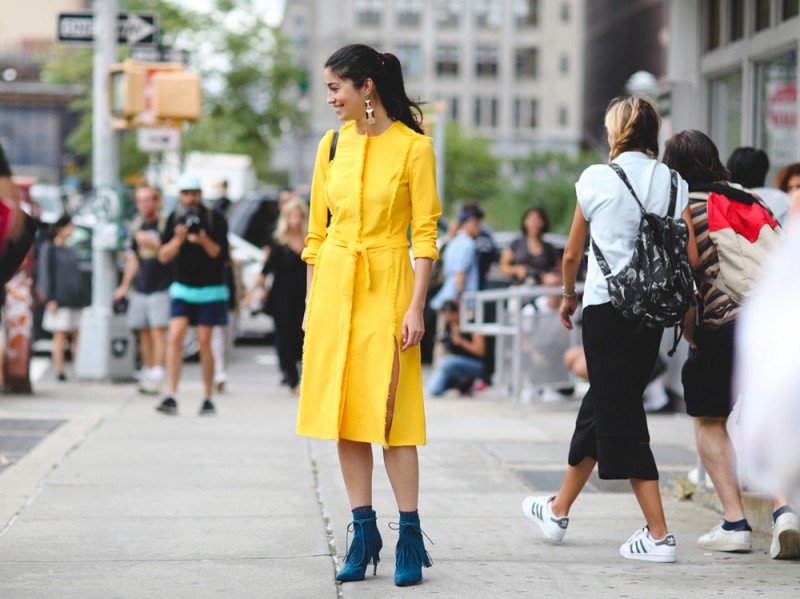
(357, 249)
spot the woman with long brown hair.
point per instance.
(362, 375)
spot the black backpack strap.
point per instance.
(621, 174)
(673, 192)
(601, 260)
(334, 141)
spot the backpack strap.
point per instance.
(601, 260)
(673, 192)
(621, 174)
(334, 141)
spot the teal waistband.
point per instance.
(199, 295)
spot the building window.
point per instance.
(563, 116)
(791, 8)
(527, 63)
(493, 113)
(409, 12)
(516, 118)
(736, 20)
(368, 12)
(477, 115)
(533, 114)
(565, 12)
(448, 12)
(763, 14)
(713, 11)
(410, 56)
(526, 13)
(725, 112)
(486, 58)
(564, 64)
(776, 109)
(454, 109)
(447, 58)
(488, 13)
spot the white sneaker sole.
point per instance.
(649, 557)
(727, 547)
(788, 546)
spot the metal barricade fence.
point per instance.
(530, 340)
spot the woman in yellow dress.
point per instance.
(362, 377)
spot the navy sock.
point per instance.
(781, 510)
(738, 525)
(364, 510)
(410, 516)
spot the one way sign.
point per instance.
(133, 28)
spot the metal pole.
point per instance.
(105, 47)
(105, 346)
(439, 146)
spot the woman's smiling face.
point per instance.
(346, 100)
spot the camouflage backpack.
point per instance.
(655, 288)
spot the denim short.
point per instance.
(210, 314)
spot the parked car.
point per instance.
(254, 217)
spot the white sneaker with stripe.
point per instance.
(642, 546)
(538, 509)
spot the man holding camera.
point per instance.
(195, 242)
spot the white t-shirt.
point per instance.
(614, 216)
(778, 201)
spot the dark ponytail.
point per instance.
(358, 62)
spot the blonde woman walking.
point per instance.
(611, 428)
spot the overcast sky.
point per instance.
(272, 9)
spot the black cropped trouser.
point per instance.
(612, 426)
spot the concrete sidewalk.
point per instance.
(120, 501)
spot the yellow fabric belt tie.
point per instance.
(356, 249)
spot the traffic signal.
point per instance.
(153, 94)
(177, 96)
(126, 90)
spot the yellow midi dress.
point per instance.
(375, 188)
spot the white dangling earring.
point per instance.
(369, 110)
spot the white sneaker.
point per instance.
(719, 539)
(538, 509)
(642, 546)
(785, 537)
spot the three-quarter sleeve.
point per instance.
(425, 207)
(318, 210)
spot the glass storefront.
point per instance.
(725, 112)
(776, 109)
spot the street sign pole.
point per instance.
(100, 329)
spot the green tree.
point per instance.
(545, 179)
(246, 89)
(248, 99)
(471, 172)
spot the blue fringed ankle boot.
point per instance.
(365, 547)
(410, 552)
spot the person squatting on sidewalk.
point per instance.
(730, 255)
(148, 310)
(462, 364)
(362, 372)
(611, 428)
(195, 241)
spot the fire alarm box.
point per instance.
(177, 96)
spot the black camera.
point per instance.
(192, 219)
